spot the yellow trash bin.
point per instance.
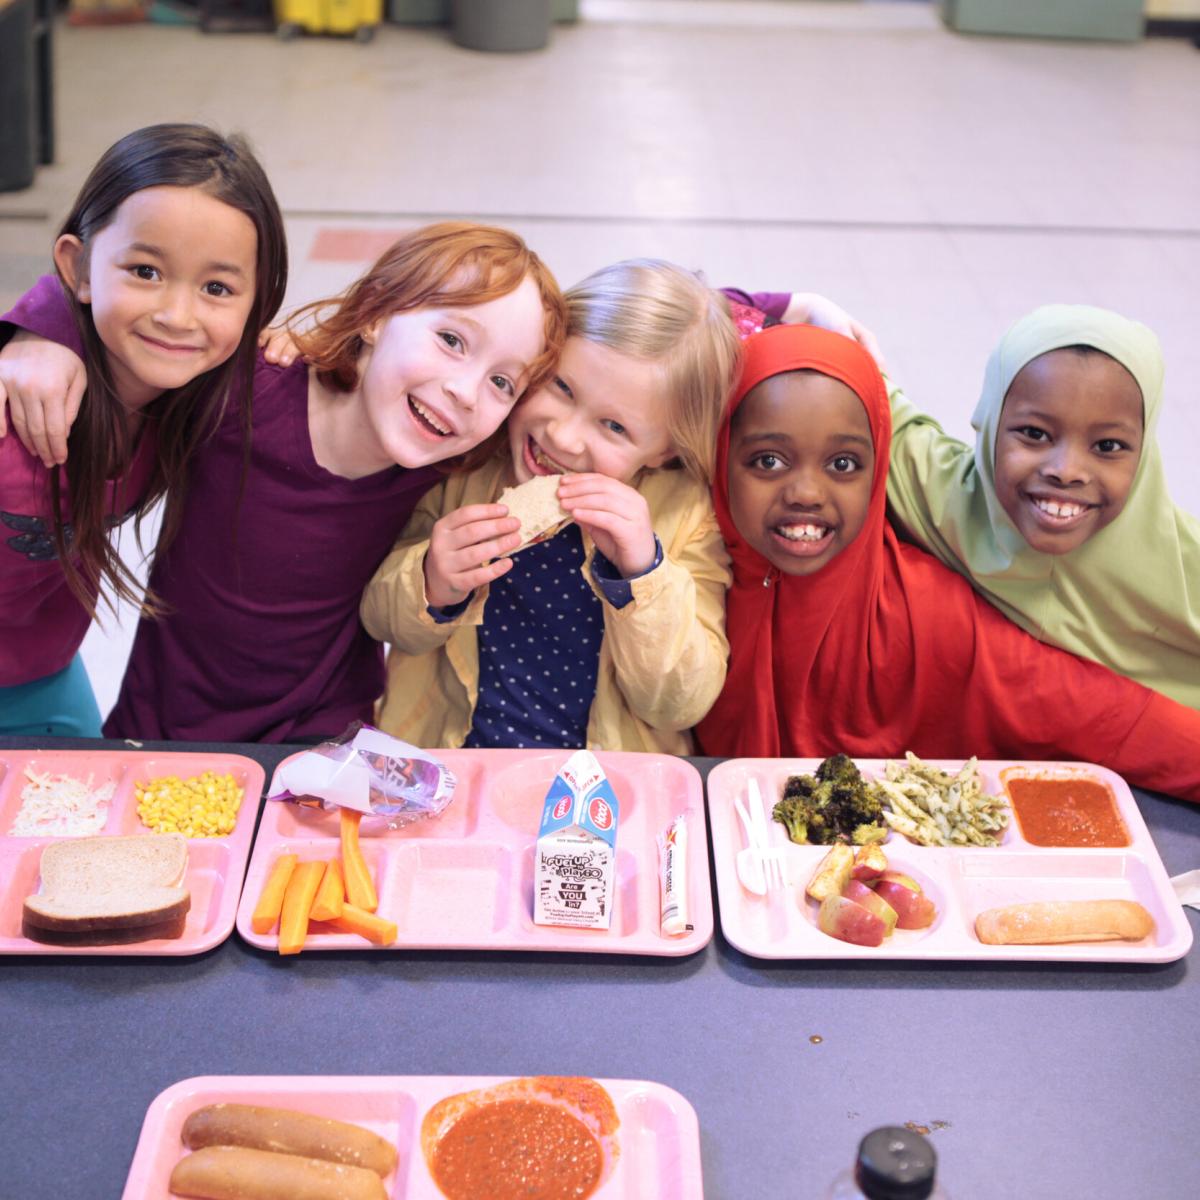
(359, 18)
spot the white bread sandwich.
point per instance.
(535, 503)
(108, 890)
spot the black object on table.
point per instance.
(1043, 1081)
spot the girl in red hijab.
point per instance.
(844, 639)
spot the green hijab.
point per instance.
(1129, 597)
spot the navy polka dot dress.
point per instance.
(539, 650)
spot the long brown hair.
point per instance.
(450, 263)
(100, 447)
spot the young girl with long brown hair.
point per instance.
(169, 262)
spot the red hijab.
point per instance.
(884, 649)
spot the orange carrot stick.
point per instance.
(330, 895)
(373, 928)
(360, 887)
(297, 903)
(270, 900)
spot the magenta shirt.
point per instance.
(41, 622)
(263, 640)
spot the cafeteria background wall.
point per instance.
(938, 185)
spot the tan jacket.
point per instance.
(662, 659)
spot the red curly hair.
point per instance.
(447, 264)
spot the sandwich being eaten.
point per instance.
(99, 891)
(535, 504)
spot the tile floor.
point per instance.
(937, 185)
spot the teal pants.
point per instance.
(62, 704)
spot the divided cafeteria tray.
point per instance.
(961, 881)
(216, 866)
(464, 879)
(658, 1136)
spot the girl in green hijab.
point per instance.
(1060, 515)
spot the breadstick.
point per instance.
(237, 1173)
(288, 1132)
(1055, 921)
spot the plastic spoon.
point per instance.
(750, 871)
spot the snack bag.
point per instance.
(370, 772)
(574, 878)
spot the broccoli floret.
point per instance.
(839, 768)
(833, 805)
(858, 808)
(792, 812)
(820, 832)
(864, 835)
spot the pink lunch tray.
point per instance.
(464, 880)
(215, 868)
(961, 881)
(659, 1136)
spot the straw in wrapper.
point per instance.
(672, 877)
(370, 772)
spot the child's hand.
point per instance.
(808, 308)
(616, 518)
(461, 547)
(42, 384)
(278, 346)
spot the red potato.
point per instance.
(849, 921)
(861, 894)
(903, 893)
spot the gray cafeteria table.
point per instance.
(1054, 1081)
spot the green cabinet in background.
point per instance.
(1110, 20)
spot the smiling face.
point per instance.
(435, 382)
(1067, 447)
(605, 412)
(801, 460)
(170, 281)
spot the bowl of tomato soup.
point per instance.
(538, 1138)
(1065, 810)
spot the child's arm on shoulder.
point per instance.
(442, 563)
(278, 345)
(809, 308)
(668, 642)
(928, 467)
(42, 376)
(41, 387)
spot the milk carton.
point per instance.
(574, 876)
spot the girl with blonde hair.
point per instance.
(610, 633)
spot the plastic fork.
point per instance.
(751, 867)
(774, 860)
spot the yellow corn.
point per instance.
(203, 806)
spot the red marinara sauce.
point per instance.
(517, 1150)
(1071, 811)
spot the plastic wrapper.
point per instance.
(369, 771)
